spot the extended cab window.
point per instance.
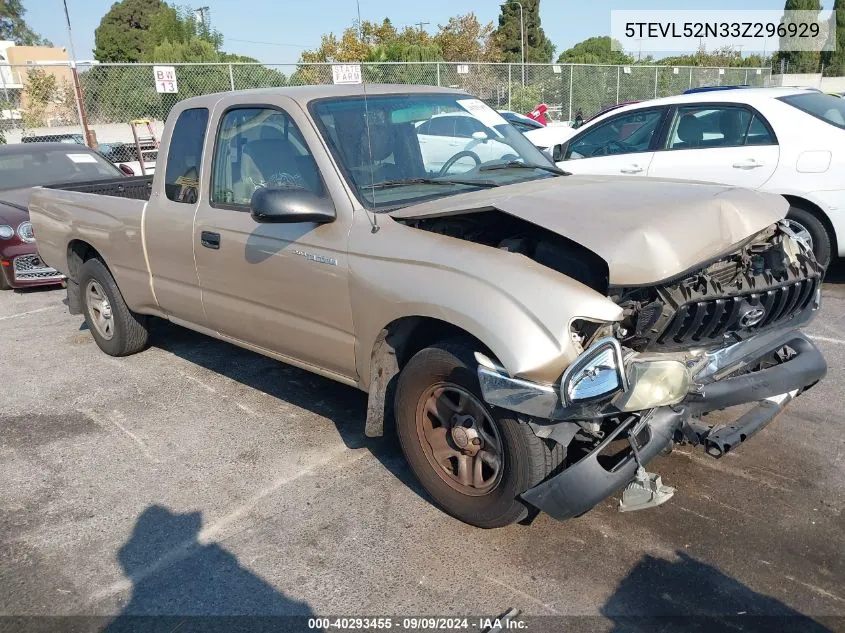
(260, 147)
(697, 127)
(182, 174)
(624, 134)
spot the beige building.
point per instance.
(16, 64)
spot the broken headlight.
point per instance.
(655, 383)
(596, 374)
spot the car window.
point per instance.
(825, 107)
(623, 134)
(442, 126)
(260, 147)
(759, 133)
(39, 166)
(466, 126)
(184, 158)
(703, 127)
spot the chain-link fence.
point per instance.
(40, 99)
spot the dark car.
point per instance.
(21, 168)
(520, 121)
(55, 138)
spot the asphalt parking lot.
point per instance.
(198, 478)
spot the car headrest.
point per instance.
(690, 130)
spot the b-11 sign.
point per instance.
(165, 78)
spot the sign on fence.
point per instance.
(165, 78)
(346, 73)
(463, 69)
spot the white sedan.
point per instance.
(789, 141)
(458, 139)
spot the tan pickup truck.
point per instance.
(535, 338)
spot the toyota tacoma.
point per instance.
(534, 338)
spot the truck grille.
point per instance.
(707, 322)
(31, 268)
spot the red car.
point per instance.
(29, 165)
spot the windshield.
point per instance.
(822, 106)
(424, 146)
(36, 167)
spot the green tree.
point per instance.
(595, 50)
(800, 61)
(123, 33)
(538, 48)
(465, 39)
(834, 61)
(14, 28)
(41, 91)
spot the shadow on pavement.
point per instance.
(345, 406)
(835, 273)
(686, 595)
(181, 584)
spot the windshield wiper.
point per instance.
(387, 184)
(515, 164)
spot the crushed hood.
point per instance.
(647, 230)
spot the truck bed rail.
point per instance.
(134, 187)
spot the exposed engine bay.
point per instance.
(507, 232)
(769, 280)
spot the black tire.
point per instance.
(822, 243)
(130, 329)
(527, 459)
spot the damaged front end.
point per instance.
(720, 336)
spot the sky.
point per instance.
(276, 31)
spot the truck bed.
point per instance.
(133, 187)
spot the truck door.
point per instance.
(281, 287)
(169, 221)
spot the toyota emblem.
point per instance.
(752, 317)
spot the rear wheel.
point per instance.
(473, 460)
(117, 330)
(812, 231)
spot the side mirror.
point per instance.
(290, 206)
(480, 136)
(559, 152)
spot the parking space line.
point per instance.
(22, 314)
(825, 339)
(214, 532)
(522, 594)
(106, 422)
(814, 589)
(199, 382)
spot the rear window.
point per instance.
(825, 107)
(182, 174)
(38, 166)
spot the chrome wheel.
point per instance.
(99, 309)
(800, 232)
(460, 439)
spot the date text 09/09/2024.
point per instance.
(418, 624)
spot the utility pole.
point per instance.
(422, 24)
(202, 15)
(80, 106)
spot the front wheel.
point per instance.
(117, 330)
(812, 231)
(474, 461)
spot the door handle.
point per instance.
(747, 164)
(210, 240)
(633, 169)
